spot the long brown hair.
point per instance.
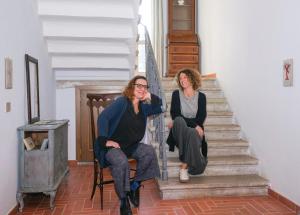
(193, 75)
(128, 91)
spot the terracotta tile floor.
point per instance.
(73, 197)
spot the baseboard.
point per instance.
(290, 204)
(15, 210)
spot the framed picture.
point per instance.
(32, 81)
(288, 72)
(8, 73)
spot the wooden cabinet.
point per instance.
(183, 44)
(42, 168)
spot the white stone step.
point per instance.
(221, 148)
(214, 93)
(221, 119)
(215, 90)
(212, 105)
(227, 147)
(217, 106)
(171, 83)
(222, 132)
(235, 185)
(172, 87)
(219, 113)
(220, 165)
(211, 119)
(208, 99)
(209, 113)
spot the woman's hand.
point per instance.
(170, 124)
(111, 143)
(146, 97)
(200, 131)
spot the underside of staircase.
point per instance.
(90, 39)
(231, 170)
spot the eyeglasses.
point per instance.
(141, 86)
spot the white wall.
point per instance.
(20, 34)
(66, 109)
(245, 43)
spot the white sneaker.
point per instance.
(184, 175)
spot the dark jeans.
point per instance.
(147, 166)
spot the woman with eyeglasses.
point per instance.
(121, 128)
(188, 112)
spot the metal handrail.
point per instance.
(154, 81)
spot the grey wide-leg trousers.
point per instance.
(146, 167)
(189, 146)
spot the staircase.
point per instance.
(231, 170)
(90, 39)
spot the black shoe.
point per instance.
(134, 197)
(125, 208)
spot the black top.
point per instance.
(130, 130)
(191, 122)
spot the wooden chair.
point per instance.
(96, 103)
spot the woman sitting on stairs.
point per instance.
(188, 112)
(121, 127)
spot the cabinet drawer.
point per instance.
(177, 67)
(184, 49)
(174, 68)
(177, 59)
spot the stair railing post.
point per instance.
(154, 81)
